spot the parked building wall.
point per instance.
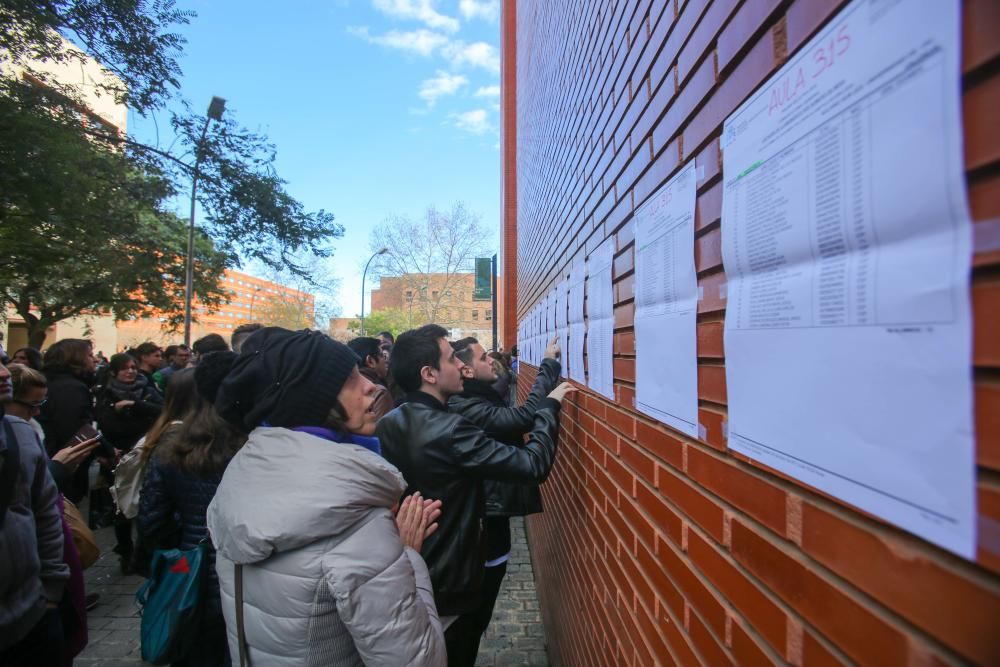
(656, 547)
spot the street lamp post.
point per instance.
(380, 251)
(215, 109)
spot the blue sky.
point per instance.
(377, 107)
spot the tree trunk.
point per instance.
(36, 335)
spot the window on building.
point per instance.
(489, 314)
(409, 295)
(475, 314)
(434, 295)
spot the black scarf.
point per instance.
(128, 392)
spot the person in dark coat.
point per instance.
(484, 406)
(374, 366)
(442, 455)
(182, 476)
(68, 366)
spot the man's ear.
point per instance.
(428, 374)
(467, 372)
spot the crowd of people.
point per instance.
(353, 502)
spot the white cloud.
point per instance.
(423, 42)
(487, 9)
(473, 121)
(488, 91)
(477, 54)
(419, 10)
(441, 85)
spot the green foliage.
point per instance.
(81, 228)
(393, 320)
(82, 205)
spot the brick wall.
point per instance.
(655, 547)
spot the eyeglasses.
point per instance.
(36, 404)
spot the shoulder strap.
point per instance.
(11, 469)
(240, 630)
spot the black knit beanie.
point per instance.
(285, 378)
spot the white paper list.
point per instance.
(577, 325)
(666, 305)
(600, 320)
(846, 242)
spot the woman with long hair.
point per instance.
(183, 471)
(69, 366)
(27, 356)
(127, 406)
(303, 520)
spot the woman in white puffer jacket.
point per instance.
(304, 518)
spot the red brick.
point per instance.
(750, 18)
(765, 616)
(986, 323)
(980, 27)
(708, 251)
(982, 140)
(624, 343)
(660, 443)
(664, 588)
(988, 424)
(815, 653)
(697, 594)
(642, 526)
(663, 517)
(712, 288)
(988, 501)
(804, 17)
(663, 166)
(747, 651)
(715, 424)
(752, 494)
(712, 383)
(623, 263)
(904, 576)
(624, 369)
(984, 204)
(708, 646)
(638, 460)
(697, 506)
(624, 315)
(839, 617)
(625, 288)
(708, 208)
(625, 396)
(710, 340)
(709, 160)
(690, 96)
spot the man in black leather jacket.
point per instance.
(444, 456)
(480, 403)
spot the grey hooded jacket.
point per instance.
(326, 579)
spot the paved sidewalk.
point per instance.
(515, 636)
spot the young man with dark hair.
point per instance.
(150, 358)
(177, 357)
(482, 405)
(445, 456)
(241, 333)
(386, 338)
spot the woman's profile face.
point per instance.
(357, 397)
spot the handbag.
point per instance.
(172, 603)
(83, 536)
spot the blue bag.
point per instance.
(171, 601)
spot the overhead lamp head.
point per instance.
(216, 107)
(382, 251)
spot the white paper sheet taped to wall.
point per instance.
(601, 320)
(846, 242)
(666, 305)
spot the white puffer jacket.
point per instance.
(326, 579)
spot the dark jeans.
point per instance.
(42, 647)
(463, 636)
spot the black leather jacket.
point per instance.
(446, 457)
(484, 407)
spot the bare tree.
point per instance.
(427, 254)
